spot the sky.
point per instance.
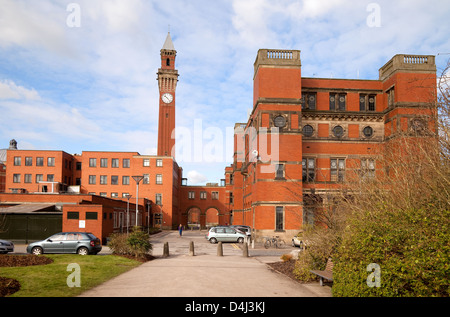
(81, 75)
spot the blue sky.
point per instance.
(93, 87)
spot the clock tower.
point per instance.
(167, 82)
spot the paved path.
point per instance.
(205, 274)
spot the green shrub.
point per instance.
(411, 247)
(136, 243)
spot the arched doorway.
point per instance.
(193, 218)
(212, 217)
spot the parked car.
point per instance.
(298, 241)
(225, 234)
(67, 242)
(246, 229)
(6, 246)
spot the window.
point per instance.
(92, 179)
(191, 195)
(114, 180)
(17, 161)
(126, 163)
(279, 218)
(103, 194)
(39, 161)
(279, 121)
(367, 168)
(279, 173)
(91, 215)
(50, 161)
(231, 198)
(337, 170)
(159, 163)
(146, 162)
(203, 195)
(115, 163)
(16, 178)
(158, 199)
(114, 195)
(308, 131)
(367, 102)
(168, 62)
(368, 132)
(78, 166)
(338, 102)
(73, 215)
(338, 131)
(308, 215)
(50, 178)
(39, 178)
(159, 179)
(391, 96)
(92, 162)
(28, 161)
(146, 179)
(309, 100)
(125, 180)
(104, 162)
(28, 178)
(215, 195)
(309, 170)
(125, 195)
(103, 179)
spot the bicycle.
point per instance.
(275, 241)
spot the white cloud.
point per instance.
(9, 90)
(195, 177)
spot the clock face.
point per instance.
(167, 98)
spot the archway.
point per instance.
(212, 217)
(193, 218)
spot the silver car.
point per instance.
(225, 234)
(6, 246)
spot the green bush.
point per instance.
(136, 243)
(411, 247)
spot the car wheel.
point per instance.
(83, 251)
(240, 240)
(37, 251)
(213, 240)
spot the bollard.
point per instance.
(245, 250)
(166, 249)
(219, 249)
(191, 249)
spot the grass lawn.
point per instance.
(50, 280)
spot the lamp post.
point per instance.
(137, 178)
(128, 211)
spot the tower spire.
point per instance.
(168, 44)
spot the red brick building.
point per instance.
(301, 139)
(305, 134)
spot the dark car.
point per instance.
(6, 246)
(67, 242)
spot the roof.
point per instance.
(168, 44)
(28, 208)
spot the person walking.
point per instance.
(180, 230)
